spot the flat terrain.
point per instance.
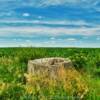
(13, 68)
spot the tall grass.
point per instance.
(13, 66)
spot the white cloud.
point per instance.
(28, 41)
(26, 14)
(98, 38)
(71, 39)
(80, 3)
(49, 30)
(40, 17)
(44, 3)
(52, 38)
(51, 22)
(57, 2)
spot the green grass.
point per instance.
(13, 65)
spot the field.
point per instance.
(13, 74)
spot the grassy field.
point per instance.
(13, 73)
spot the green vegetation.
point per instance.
(13, 69)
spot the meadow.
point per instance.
(13, 74)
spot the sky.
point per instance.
(50, 23)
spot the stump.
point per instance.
(56, 72)
(48, 65)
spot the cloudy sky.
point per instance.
(50, 23)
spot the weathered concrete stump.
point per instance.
(48, 65)
(55, 71)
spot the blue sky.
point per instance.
(50, 23)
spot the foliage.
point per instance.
(13, 66)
